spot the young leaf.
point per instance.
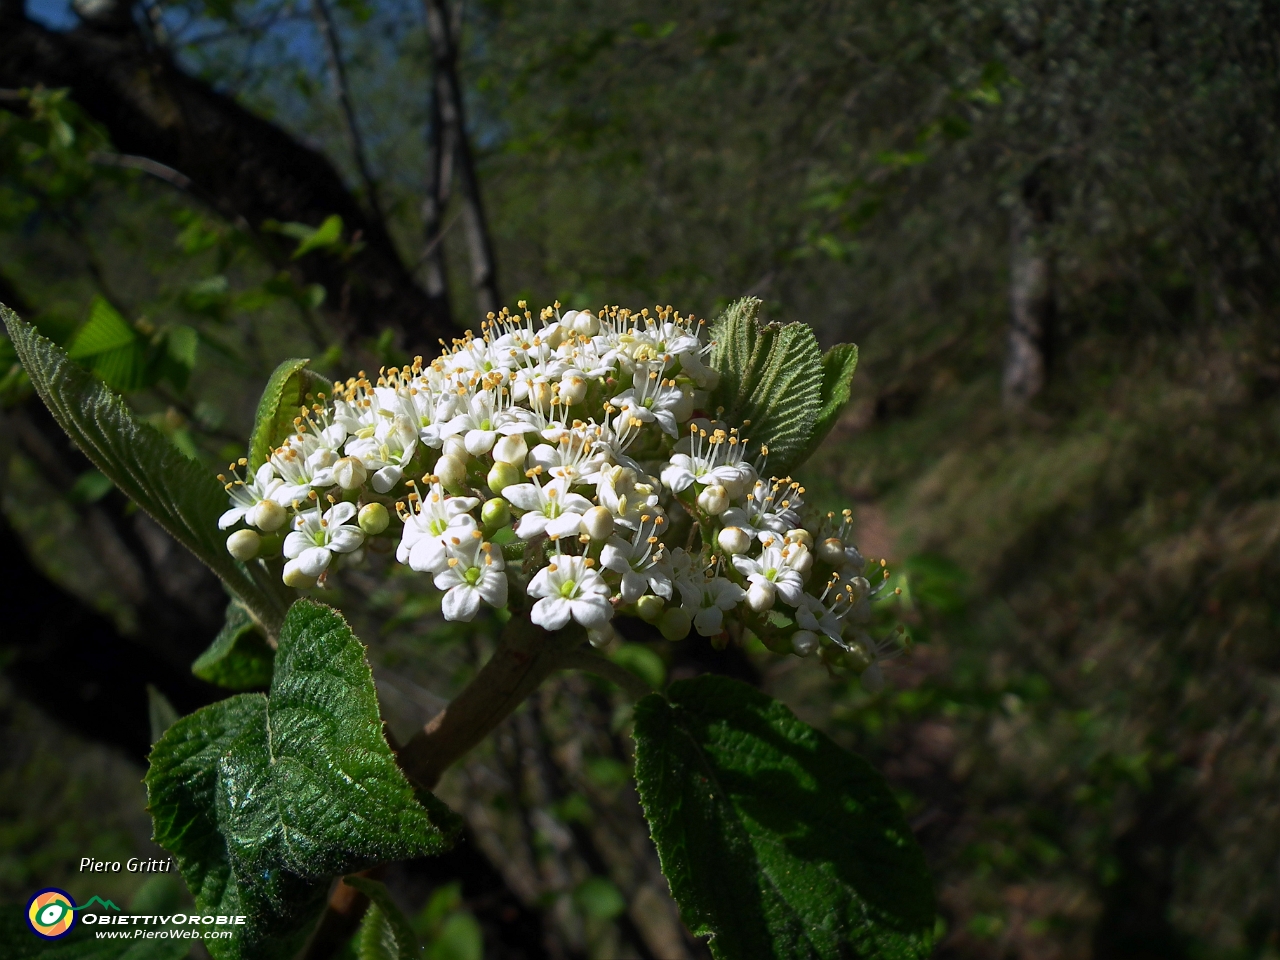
(160, 712)
(776, 841)
(17, 942)
(386, 933)
(239, 657)
(263, 799)
(771, 376)
(284, 395)
(838, 365)
(323, 237)
(181, 496)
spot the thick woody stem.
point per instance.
(526, 656)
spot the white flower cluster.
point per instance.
(569, 460)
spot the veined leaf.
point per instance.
(239, 657)
(770, 381)
(104, 331)
(285, 393)
(838, 365)
(385, 933)
(263, 799)
(775, 840)
(182, 497)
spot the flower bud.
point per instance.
(801, 535)
(674, 624)
(479, 442)
(540, 394)
(511, 450)
(714, 500)
(801, 560)
(349, 473)
(267, 516)
(495, 513)
(585, 324)
(831, 551)
(503, 475)
(600, 637)
(650, 608)
(734, 540)
(373, 518)
(760, 595)
(597, 523)
(244, 544)
(295, 577)
(573, 389)
(456, 446)
(735, 487)
(451, 471)
(804, 642)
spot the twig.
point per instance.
(144, 164)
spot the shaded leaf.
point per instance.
(104, 331)
(385, 933)
(838, 366)
(770, 381)
(327, 235)
(160, 712)
(182, 497)
(282, 398)
(239, 657)
(263, 799)
(775, 840)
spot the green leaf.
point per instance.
(182, 497)
(459, 939)
(386, 933)
(282, 398)
(775, 840)
(239, 657)
(328, 234)
(17, 942)
(770, 381)
(597, 897)
(104, 331)
(160, 712)
(838, 365)
(263, 799)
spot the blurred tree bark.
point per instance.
(1032, 304)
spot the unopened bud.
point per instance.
(831, 551)
(511, 450)
(451, 471)
(801, 560)
(373, 518)
(295, 577)
(601, 636)
(540, 394)
(735, 487)
(804, 642)
(586, 324)
(479, 442)
(714, 500)
(573, 389)
(456, 446)
(597, 523)
(650, 608)
(801, 535)
(350, 473)
(267, 516)
(244, 544)
(495, 513)
(734, 540)
(503, 475)
(760, 595)
(674, 623)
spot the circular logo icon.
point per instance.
(51, 913)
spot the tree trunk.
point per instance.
(1032, 306)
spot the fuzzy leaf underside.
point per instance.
(263, 799)
(776, 841)
(838, 366)
(285, 393)
(385, 933)
(179, 494)
(770, 380)
(239, 657)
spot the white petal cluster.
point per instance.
(566, 465)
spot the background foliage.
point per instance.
(1086, 736)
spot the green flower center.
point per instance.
(568, 588)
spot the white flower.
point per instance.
(305, 461)
(652, 399)
(774, 566)
(437, 514)
(549, 508)
(247, 496)
(640, 561)
(386, 452)
(316, 538)
(569, 588)
(473, 571)
(486, 416)
(706, 458)
(771, 509)
(626, 494)
(813, 615)
(707, 598)
(575, 456)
